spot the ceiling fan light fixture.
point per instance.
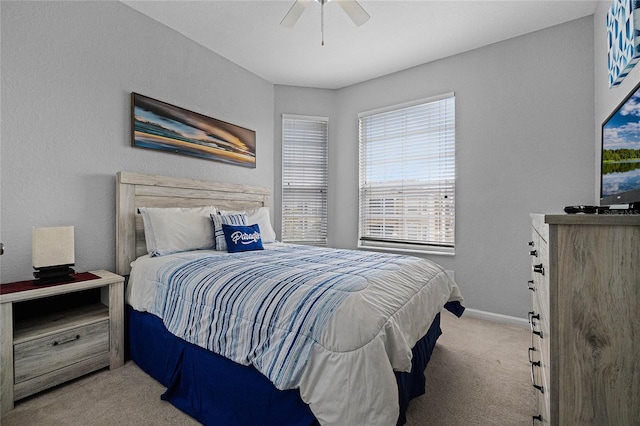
(351, 7)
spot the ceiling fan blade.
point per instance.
(356, 12)
(294, 13)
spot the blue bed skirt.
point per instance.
(217, 391)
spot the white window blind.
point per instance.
(407, 176)
(304, 179)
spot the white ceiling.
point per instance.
(400, 34)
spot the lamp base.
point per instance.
(53, 275)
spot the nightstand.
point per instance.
(54, 333)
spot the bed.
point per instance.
(355, 332)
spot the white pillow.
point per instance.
(261, 217)
(176, 229)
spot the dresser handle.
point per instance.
(533, 380)
(538, 418)
(531, 243)
(530, 285)
(538, 268)
(532, 325)
(69, 340)
(532, 316)
(534, 253)
(532, 349)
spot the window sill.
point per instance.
(400, 248)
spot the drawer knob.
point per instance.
(530, 285)
(531, 243)
(538, 268)
(68, 340)
(534, 253)
(533, 379)
(532, 325)
(536, 418)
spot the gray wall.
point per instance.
(524, 132)
(525, 111)
(68, 69)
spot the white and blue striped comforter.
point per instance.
(334, 323)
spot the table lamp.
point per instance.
(53, 253)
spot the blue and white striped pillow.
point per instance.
(227, 219)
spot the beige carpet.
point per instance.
(478, 375)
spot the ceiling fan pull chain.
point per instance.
(352, 8)
(322, 21)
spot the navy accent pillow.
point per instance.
(242, 238)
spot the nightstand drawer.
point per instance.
(57, 350)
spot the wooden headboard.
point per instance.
(138, 190)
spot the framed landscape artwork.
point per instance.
(161, 126)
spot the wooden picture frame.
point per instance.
(164, 127)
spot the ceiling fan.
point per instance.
(352, 8)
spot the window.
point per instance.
(304, 179)
(407, 176)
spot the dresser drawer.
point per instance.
(48, 353)
(538, 360)
(539, 319)
(543, 414)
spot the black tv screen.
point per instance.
(620, 171)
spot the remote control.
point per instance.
(581, 209)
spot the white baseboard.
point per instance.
(490, 316)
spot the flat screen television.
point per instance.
(620, 168)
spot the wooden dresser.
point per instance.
(585, 319)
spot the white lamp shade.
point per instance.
(53, 246)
